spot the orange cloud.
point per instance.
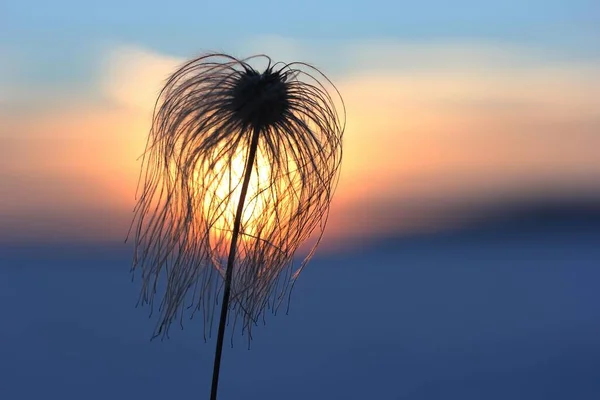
(68, 165)
(428, 125)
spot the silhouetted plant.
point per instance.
(239, 170)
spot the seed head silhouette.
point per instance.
(239, 170)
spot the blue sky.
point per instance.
(57, 42)
(62, 31)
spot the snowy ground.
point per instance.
(451, 317)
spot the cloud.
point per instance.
(431, 125)
(67, 164)
(133, 77)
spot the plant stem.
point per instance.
(230, 261)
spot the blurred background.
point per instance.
(462, 255)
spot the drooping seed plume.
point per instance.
(205, 120)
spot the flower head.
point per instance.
(227, 138)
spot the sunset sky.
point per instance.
(448, 107)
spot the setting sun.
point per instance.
(223, 184)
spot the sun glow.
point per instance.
(225, 182)
(211, 195)
(215, 192)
